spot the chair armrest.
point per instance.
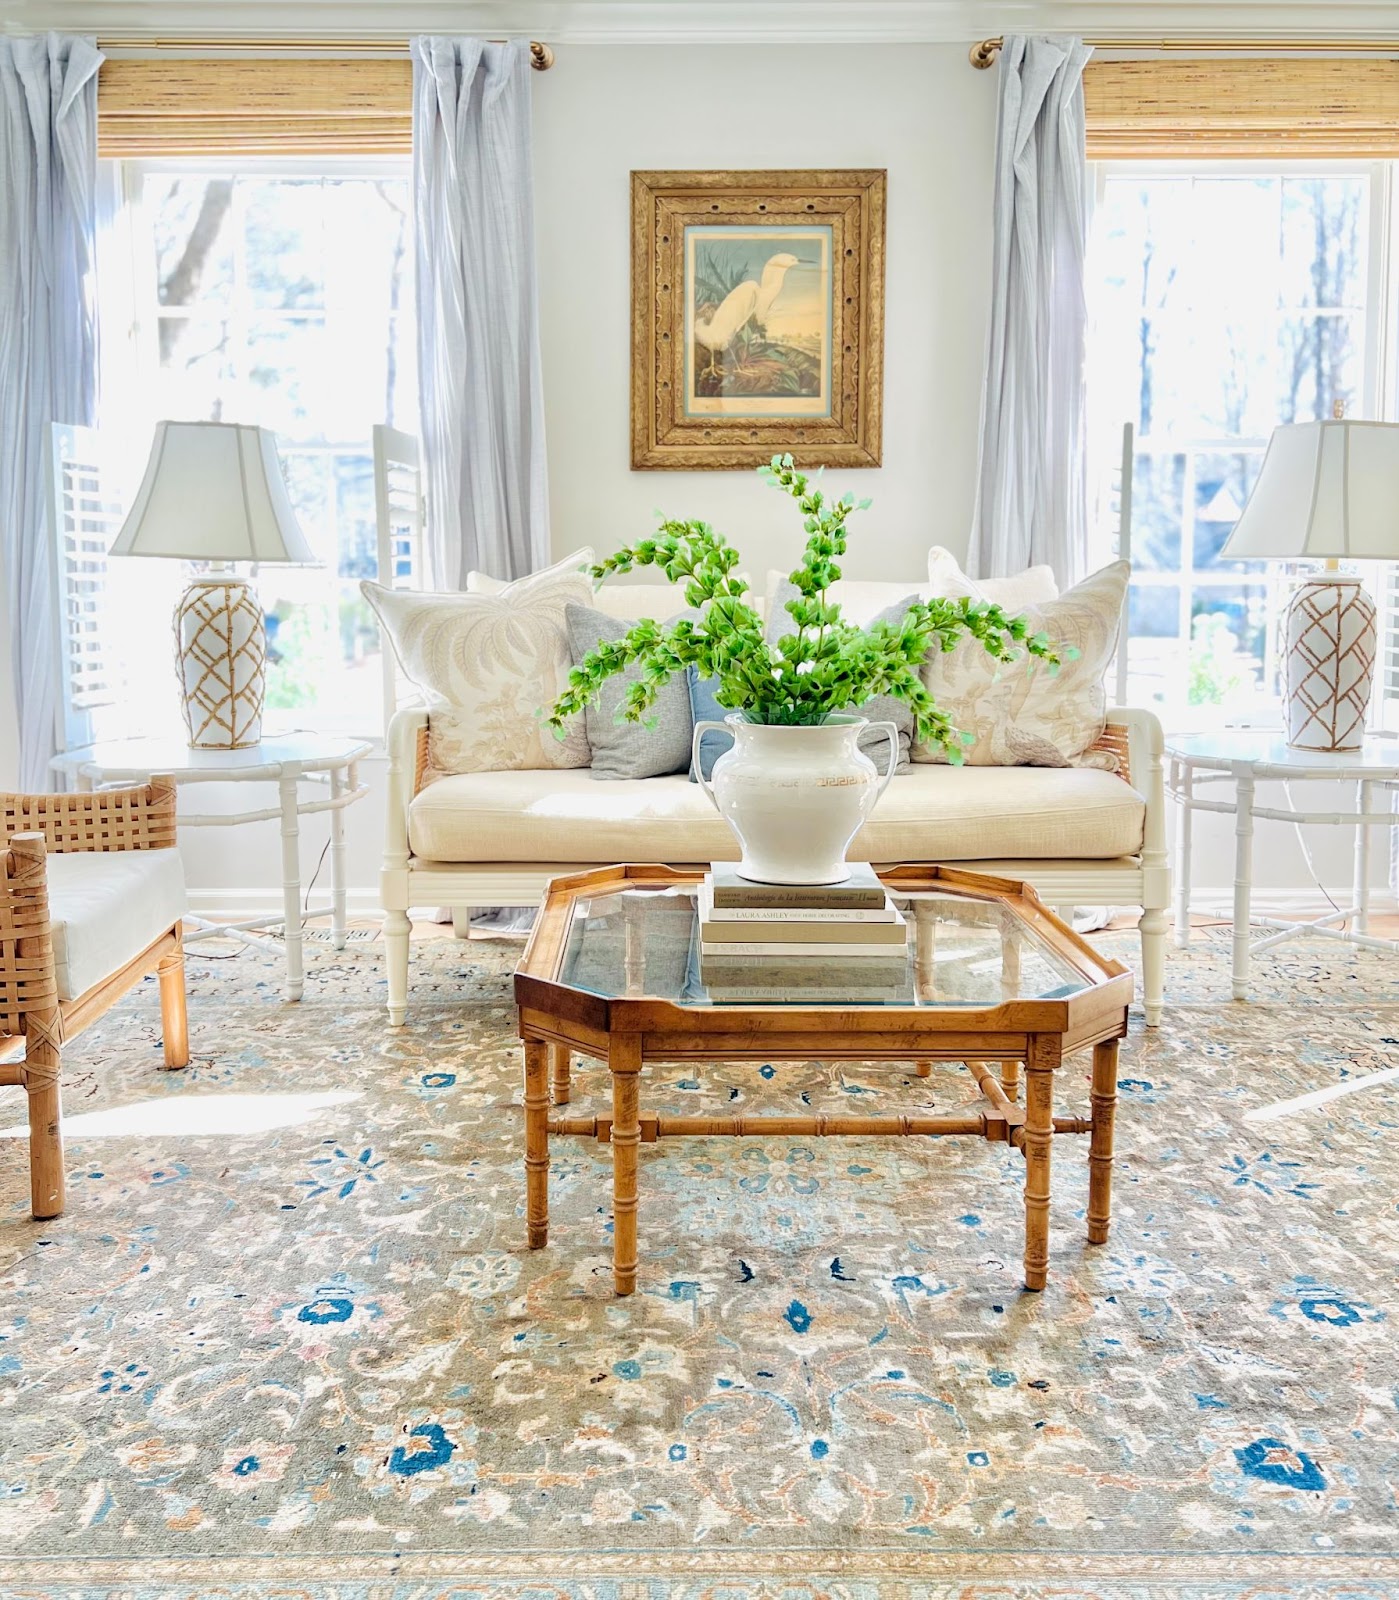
(406, 744)
(1145, 753)
(140, 818)
(28, 979)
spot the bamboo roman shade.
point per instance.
(255, 106)
(1244, 108)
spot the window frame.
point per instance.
(129, 304)
(1379, 399)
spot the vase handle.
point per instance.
(701, 728)
(893, 733)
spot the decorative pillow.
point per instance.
(860, 601)
(629, 749)
(486, 665)
(1022, 714)
(1029, 588)
(883, 707)
(705, 708)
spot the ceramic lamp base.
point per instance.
(221, 652)
(1330, 655)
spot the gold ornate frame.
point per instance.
(851, 204)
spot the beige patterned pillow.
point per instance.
(486, 664)
(1032, 587)
(1023, 715)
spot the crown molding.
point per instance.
(716, 21)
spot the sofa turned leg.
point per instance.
(1153, 932)
(396, 930)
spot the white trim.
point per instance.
(701, 21)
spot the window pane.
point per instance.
(1228, 632)
(195, 378)
(193, 236)
(1158, 490)
(283, 242)
(1223, 484)
(1324, 242)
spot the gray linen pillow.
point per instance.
(629, 749)
(884, 707)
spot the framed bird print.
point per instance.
(757, 318)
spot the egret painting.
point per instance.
(757, 318)
(758, 322)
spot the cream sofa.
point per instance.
(1079, 835)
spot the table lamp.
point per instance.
(1328, 489)
(214, 491)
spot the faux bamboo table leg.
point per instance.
(624, 1062)
(1010, 1079)
(559, 1064)
(1104, 1097)
(1044, 1056)
(537, 1142)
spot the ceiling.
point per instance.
(682, 21)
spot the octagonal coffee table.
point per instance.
(991, 978)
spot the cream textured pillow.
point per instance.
(860, 600)
(1029, 588)
(1026, 716)
(486, 664)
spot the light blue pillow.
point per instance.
(704, 707)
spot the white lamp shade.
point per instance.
(213, 491)
(1325, 489)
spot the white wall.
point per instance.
(917, 110)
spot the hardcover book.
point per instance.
(861, 891)
(791, 927)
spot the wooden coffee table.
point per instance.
(993, 979)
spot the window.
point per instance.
(1224, 299)
(276, 292)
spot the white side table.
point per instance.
(325, 760)
(1243, 757)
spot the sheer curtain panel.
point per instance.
(482, 409)
(48, 343)
(1030, 505)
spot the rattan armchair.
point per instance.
(34, 1007)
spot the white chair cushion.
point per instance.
(105, 908)
(929, 814)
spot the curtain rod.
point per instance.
(541, 56)
(984, 54)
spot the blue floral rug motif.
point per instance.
(287, 1339)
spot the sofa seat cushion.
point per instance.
(105, 908)
(931, 813)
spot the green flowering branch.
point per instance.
(825, 666)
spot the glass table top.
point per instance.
(961, 952)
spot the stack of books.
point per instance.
(775, 941)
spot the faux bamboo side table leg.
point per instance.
(560, 1066)
(1044, 1057)
(537, 1142)
(624, 1062)
(1104, 1099)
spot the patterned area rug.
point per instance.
(287, 1339)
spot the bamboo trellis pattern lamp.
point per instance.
(1327, 489)
(214, 492)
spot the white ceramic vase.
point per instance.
(795, 797)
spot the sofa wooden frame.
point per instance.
(1140, 880)
(140, 818)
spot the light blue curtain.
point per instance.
(48, 343)
(481, 401)
(1030, 505)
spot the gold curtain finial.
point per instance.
(541, 57)
(984, 55)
